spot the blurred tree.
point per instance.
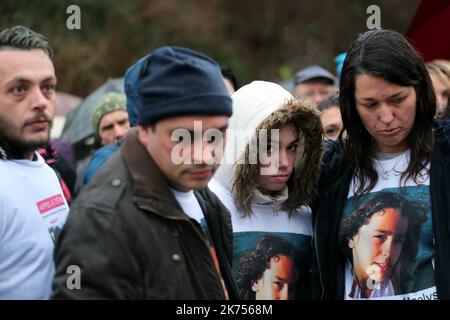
(268, 39)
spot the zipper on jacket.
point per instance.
(317, 258)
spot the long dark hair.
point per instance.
(388, 55)
(414, 211)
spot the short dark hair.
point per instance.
(23, 38)
(227, 73)
(332, 101)
(388, 55)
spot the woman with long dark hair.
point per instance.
(391, 145)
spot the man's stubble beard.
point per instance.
(10, 138)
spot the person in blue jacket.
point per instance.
(133, 104)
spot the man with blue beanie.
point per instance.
(147, 227)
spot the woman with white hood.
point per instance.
(267, 179)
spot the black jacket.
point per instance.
(329, 261)
(131, 240)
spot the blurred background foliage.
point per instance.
(258, 39)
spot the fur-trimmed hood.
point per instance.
(265, 105)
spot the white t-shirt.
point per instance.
(189, 204)
(269, 223)
(32, 212)
(391, 251)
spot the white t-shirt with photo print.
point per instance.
(32, 212)
(414, 279)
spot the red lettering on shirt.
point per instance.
(50, 203)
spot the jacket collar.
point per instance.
(150, 186)
(260, 198)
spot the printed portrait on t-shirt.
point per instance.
(271, 266)
(386, 236)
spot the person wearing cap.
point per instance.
(131, 83)
(147, 226)
(315, 83)
(113, 125)
(110, 118)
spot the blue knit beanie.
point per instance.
(131, 84)
(176, 81)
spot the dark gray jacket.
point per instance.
(131, 239)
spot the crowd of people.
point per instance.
(202, 189)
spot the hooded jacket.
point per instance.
(265, 226)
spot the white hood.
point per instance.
(252, 104)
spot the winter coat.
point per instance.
(130, 239)
(265, 225)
